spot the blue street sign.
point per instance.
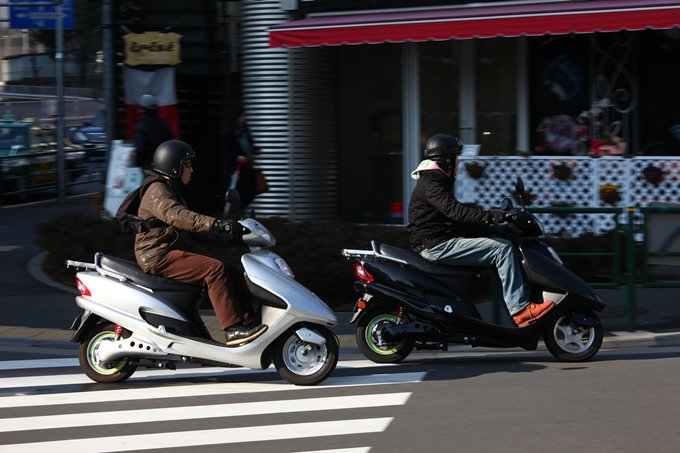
(39, 17)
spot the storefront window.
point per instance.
(659, 93)
(439, 88)
(589, 92)
(496, 64)
(370, 133)
(559, 94)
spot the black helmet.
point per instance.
(443, 149)
(442, 146)
(170, 156)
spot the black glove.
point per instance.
(512, 215)
(229, 227)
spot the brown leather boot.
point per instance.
(239, 334)
(531, 313)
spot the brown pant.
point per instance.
(201, 270)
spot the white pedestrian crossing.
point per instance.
(310, 413)
(206, 411)
(186, 373)
(207, 437)
(206, 389)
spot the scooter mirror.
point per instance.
(519, 186)
(507, 204)
(232, 196)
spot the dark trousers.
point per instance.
(201, 270)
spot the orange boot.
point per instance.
(531, 313)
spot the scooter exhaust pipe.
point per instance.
(128, 347)
(398, 331)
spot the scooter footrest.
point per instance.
(432, 346)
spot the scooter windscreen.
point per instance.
(259, 235)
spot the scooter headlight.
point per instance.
(284, 267)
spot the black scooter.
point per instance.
(407, 301)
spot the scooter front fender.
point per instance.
(304, 334)
(583, 319)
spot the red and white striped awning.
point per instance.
(478, 21)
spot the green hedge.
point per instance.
(312, 249)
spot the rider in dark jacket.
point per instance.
(165, 210)
(436, 216)
(150, 131)
(444, 230)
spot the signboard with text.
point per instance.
(40, 17)
(152, 48)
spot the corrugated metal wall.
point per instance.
(289, 101)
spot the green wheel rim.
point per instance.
(371, 328)
(93, 358)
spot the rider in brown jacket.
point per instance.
(165, 211)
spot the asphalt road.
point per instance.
(623, 401)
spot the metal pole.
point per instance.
(630, 268)
(58, 60)
(109, 87)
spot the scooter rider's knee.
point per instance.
(505, 246)
(216, 268)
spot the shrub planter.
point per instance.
(653, 174)
(474, 169)
(562, 171)
(528, 198)
(609, 193)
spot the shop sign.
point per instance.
(152, 48)
(122, 176)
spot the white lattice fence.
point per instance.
(580, 189)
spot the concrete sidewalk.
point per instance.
(37, 311)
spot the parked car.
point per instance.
(92, 136)
(28, 157)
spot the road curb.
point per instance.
(35, 269)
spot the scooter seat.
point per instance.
(424, 265)
(132, 271)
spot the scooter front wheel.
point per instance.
(370, 341)
(117, 371)
(571, 342)
(303, 363)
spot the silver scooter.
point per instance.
(131, 318)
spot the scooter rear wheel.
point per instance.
(570, 342)
(303, 363)
(117, 371)
(370, 341)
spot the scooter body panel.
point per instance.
(542, 270)
(421, 289)
(127, 297)
(262, 271)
